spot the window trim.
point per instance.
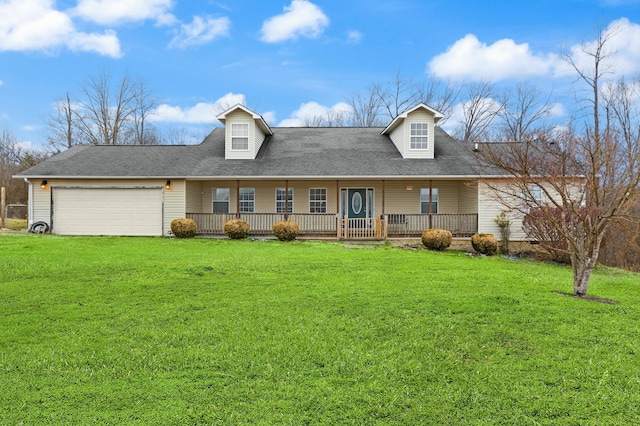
(251, 202)
(419, 134)
(214, 200)
(237, 137)
(283, 202)
(534, 189)
(435, 200)
(320, 204)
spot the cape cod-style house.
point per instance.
(345, 183)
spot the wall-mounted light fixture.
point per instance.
(168, 184)
(43, 184)
(409, 187)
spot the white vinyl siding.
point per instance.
(397, 137)
(281, 202)
(193, 194)
(419, 117)
(489, 208)
(243, 136)
(419, 135)
(317, 200)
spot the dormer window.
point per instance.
(240, 136)
(419, 135)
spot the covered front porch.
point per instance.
(333, 226)
(342, 209)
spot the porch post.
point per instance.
(238, 199)
(430, 203)
(382, 197)
(286, 199)
(338, 218)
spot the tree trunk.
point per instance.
(582, 271)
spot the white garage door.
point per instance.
(107, 211)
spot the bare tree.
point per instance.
(479, 110)
(366, 107)
(15, 157)
(523, 111)
(62, 125)
(380, 103)
(438, 96)
(108, 112)
(398, 95)
(143, 105)
(588, 179)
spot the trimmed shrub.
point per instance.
(236, 229)
(485, 244)
(183, 228)
(286, 231)
(436, 239)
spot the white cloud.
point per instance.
(33, 25)
(111, 12)
(269, 117)
(1, 82)
(105, 44)
(301, 18)
(354, 37)
(200, 113)
(470, 59)
(622, 50)
(557, 110)
(200, 31)
(313, 112)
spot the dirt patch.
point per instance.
(588, 298)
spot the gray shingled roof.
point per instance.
(290, 152)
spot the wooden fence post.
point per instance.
(3, 207)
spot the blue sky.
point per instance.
(285, 58)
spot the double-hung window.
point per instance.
(221, 200)
(534, 194)
(429, 200)
(317, 200)
(281, 201)
(239, 136)
(247, 202)
(419, 135)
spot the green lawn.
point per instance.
(165, 331)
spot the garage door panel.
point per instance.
(107, 211)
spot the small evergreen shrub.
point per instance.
(183, 228)
(485, 244)
(286, 231)
(436, 239)
(236, 229)
(504, 223)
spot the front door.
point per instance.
(357, 202)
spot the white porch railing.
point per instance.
(399, 225)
